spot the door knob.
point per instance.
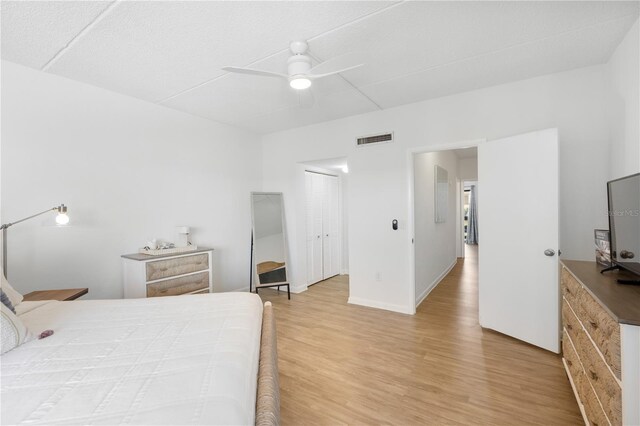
(549, 252)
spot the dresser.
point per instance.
(167, 275)
(601, 343)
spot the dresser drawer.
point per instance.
(176, 266)
(592, 407)
(571, 289)
(598, 374)
(181, 285)
(603, 329)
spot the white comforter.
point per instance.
(166, 360)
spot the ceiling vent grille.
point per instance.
(374, 139)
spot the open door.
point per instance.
(518, 216)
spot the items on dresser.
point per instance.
(601, 343)
(167, 275)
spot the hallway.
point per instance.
(343, 363)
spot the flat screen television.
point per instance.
(624, 223)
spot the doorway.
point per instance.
(441, 184)
(504, 166)
(325, 183)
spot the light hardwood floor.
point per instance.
(346, 364)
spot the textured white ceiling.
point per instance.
(172, 52)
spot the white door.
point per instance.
(315, 193)
(330, 243)
(517, 222)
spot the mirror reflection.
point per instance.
(269, 252)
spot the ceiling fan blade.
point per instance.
(252, 71)
(336, 65)
(314, 76)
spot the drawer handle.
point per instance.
(594, 376)
(569, 327)
(567, 290)
(164, 291)
(569, 363)
(593, 324)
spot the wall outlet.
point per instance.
(378, 277)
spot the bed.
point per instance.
(195, 359)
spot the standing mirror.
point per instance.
(268, 248)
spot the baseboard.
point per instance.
(434, 284)
(344, 272)
(380, 305)
(298, 289)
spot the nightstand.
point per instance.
(64, 294)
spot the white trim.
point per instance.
(298, 289)
(630, 361)
(380, 305)
(410, 177)
(575, 392)
(435, 283)
(241, 289)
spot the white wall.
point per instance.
(623, 74)
(379, 179)
(344, 231)
(468, 169)
(435, 243)
(128, 170)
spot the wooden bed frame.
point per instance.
(268, 395)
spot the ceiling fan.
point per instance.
(300, 73)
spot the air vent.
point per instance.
(367, 140)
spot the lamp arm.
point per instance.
(6, 225)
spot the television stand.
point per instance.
(610, 268)
(620, 280)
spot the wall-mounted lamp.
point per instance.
(61, 219)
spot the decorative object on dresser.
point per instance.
(268, 242)
(603, 247)
(61, 219)
(167, 275)
(601, 343)
(62, 295)
(183, 237)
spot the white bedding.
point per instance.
(165, 360)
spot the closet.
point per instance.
(323, 212)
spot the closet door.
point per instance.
(330, 212)
(315, 194)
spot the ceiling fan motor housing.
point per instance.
(299, 65)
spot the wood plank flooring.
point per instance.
(346, 364)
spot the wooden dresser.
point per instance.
(601, 343)
(167, 275)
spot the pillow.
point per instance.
(6, 302)
(13, 295)
(13, 331)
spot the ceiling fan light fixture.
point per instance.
(300, 83)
